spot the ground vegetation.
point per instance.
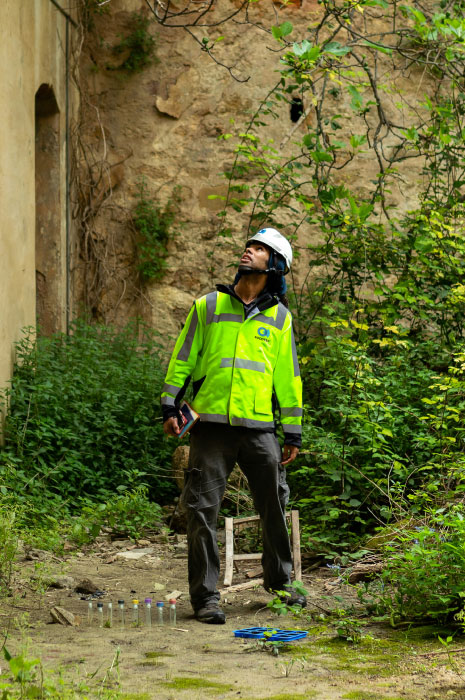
(83, 439)
(341, 656)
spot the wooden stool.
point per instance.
(239, 524)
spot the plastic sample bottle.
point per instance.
(172, 603)
(90, 613)
(135, 612)
(121, 613)
(110, 615)
(148, 612)
(160, 606)
(100, 614)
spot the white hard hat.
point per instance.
(276, 241)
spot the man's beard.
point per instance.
(248, 269)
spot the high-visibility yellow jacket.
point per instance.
(236, 363)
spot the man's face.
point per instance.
(255, 257)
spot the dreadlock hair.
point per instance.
(274, 287)
(276, 284)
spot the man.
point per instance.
(238, 347)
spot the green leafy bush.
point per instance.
(84, 420)
(278, 604)
(424, 574)
(153, 227)
(380, 310)
(362, 437)
(140, 44)
(128, 514)
(8, 547)
(383, 435)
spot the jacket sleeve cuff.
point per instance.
(169, 412)
(292, 439)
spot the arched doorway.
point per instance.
(48, 211)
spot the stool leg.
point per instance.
(295, 537)
(229, 551)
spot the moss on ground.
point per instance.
(371, 657)
(180, 683)
(368, 651)
(424, 632)
(316, 630)
(152, 663)
(154, 658)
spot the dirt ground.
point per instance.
(194, 660)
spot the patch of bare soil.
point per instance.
(194, 660)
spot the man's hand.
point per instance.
(290, 452)
(171, 427)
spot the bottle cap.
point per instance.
(120, 602)
(135, 601)
(100, 605)
(160, 604)
(147, 600)
(172, 601)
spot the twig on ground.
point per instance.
(446, 651)
(242, 586)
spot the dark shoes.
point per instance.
(293, 597)
(210, 613)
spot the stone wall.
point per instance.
(162, 124)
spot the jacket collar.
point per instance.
(264, 300)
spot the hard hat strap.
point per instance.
(272, 266)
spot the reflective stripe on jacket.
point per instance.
(236, 362)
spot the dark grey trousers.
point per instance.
(215, 448)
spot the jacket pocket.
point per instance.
(263, 401)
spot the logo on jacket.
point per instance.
(263, 332)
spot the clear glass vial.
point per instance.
(135, 612)
(121, 613)
(90, 613)
(172, 603)
(110, 614)
(148, 612)
(160, 607)
(100, 614)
